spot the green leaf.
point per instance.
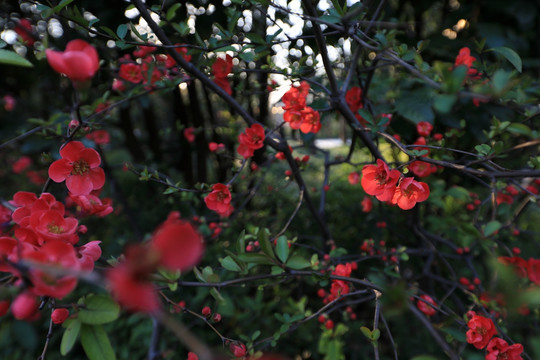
(241, 243)
(491, 227)
(443, 103)
(366, 331)
(255, 258)
(297, 262)
(12, 58)
(73, 327)
(519, 129)
(500, 80)
(483, 149)
(171, 13)
(121, 31)
(99, 309)
(95, 343)
(415, 105)
(62, 5)
(510, 55)
(264, 243)
(229, 264)
(282, 248)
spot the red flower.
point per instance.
(294, 99)
(426, 308)
(251, 140)
(379, 181)
(238, 349)
(131, 72)
(100, 137)
(52, 225)
(60, 256)
(21, 164)
(519, 264)
(219, 199)
(58, 316)
(192, 356)
(88, 254)
(79, 61)
(311, 121)
(354, 178)
(9, 103)
(24, 306)
(24, 29)
(353, 98)
(409, 192)
(128, 281)
(79, 167)
(178, 244)
(424, 128)
(4, 307)
(464, 58)
(169, 61)
(223, 83)
(143, 51)
(92, 205)
(214, 146)
(222, 67)
(481, 330)
(421, 168)
(367, 204)
(294, 118)
(498, 349)
(533, 269)
(189, 134)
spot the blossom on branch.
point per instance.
(79, 167)
(79, 61)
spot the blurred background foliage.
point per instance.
(147, 133)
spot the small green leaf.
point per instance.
(96, 343)
(99, 309)
(241, 243)
(229, 264)
(12, 58)
(282, 248)
(255, 258)
(121, 31)
(297, 262)
(500, 80)
(510, 55)
(519, 129)
(171, 13)
(73, 327)
(366, 331)
(264, 243)
(62, 5)
(491, 227)
(375, 334)
(483, 149)
(443, 103)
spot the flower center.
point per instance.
(80, 167)
(55, 229)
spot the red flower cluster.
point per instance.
(481, 330)
(422, 169)
(388, 185)
(353, 98)
(524, 268)
(338, 287)
(498, 349)
(175, 245)
(45, 238)
(219, 200)
(79, 167)
(297, 114)
(251, 140)
(221, 68)
(464, 58)
(136, 68)
(425, 307)
(79, 61)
